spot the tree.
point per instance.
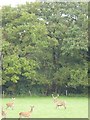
(45, 46)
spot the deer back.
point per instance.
(9, 104)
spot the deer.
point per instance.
(10, 104)
(26, 114)
(4, 113)
(58, 102)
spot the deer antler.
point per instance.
(53, 96)
(58, 102)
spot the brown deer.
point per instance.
(10, 104)
(58, 102)
(4, 113)
(26, 114)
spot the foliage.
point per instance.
(45, 46)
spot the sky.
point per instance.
(14, 2)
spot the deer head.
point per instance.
(55, 98)
(31, 108)
(13, 99)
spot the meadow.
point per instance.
(77, 107)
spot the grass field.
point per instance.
(77, 107)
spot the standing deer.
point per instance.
(58, 102)
(10, 104)
(4, 113)
(26, 114)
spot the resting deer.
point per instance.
(26, 114)
(58, 102)
(10, 104)
(4, 113)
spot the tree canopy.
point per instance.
(45, 47)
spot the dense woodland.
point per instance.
(45, 48)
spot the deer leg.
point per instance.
(12, 107)
(64, 106)
(28, 118)
(20, 117)
(57, 106)
(5, 116)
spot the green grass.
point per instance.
(77, 107)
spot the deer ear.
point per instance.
(13, 98)
(32, 106)
(52, 95)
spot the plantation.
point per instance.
(77, 107)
